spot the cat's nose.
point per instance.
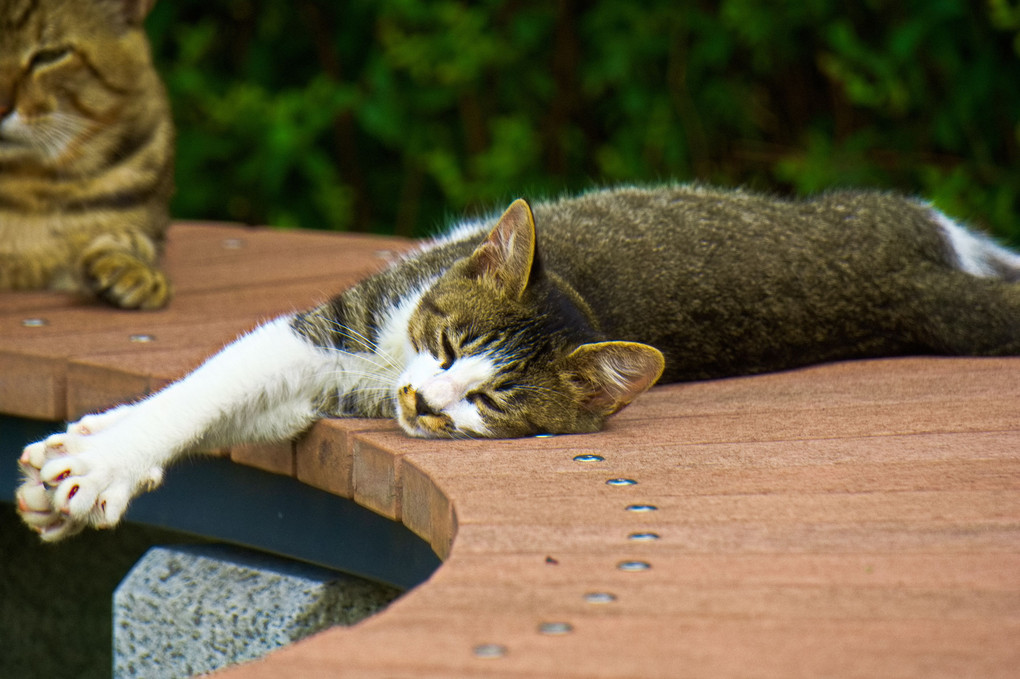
(421, 406)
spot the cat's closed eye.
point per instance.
(448, 354)
(48, 56)
(483, 399)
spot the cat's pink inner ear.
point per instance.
(612, 374)
(508, 253)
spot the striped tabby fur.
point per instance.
(86, 151)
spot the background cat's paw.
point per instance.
(124, 280)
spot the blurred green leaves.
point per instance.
(392, 115)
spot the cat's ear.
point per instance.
(612, 374)
(133, 11)
(508, 253)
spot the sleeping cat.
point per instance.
(86, 151)
(502, 330)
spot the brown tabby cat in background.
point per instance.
(86, 151)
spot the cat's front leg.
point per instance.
(262, 387)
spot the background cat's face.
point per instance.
(68, 68)
(486, 366)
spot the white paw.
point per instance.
(81, 478)
(93, 424)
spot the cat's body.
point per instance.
(485, 333)
(86, 151)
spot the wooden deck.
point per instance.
(853, 520)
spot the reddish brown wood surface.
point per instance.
(853, 520)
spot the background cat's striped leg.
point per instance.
(122, 270)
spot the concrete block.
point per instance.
(188, 610)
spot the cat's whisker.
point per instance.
(352, 334)
(375, 347)
(387, 361)
(381, 379)
(384, 390)
(386, 368)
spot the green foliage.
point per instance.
(390, 115)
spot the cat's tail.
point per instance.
(976, 253)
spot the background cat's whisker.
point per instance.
(59, 131)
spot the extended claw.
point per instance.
(55, 481)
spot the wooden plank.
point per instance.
(325, 455)
(834, 385)
(842, 478)
(602, 645)
(755, 459)
(427, 509)
(202, 257)
(937, 508)
(276, 458)
(375, 477)
(714, 537)
(34, 304)
(32, 386)
(91, 390)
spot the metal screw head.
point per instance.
(599, 597)
(589, 458)
(643, 537)
(555, 628)
(621, 482)
(490, 651)
(642, 508)
(35, 322)
(634, 566)
(142, 338)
